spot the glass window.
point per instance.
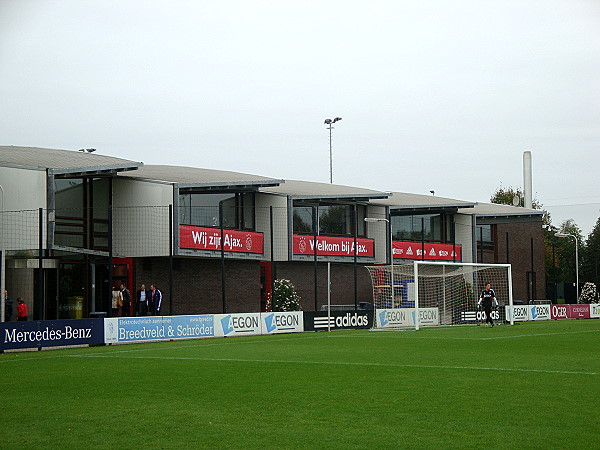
(484, 233)
(334, 219)
(428, 227)
(302, 220)
(203, 210)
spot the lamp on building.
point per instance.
(382, 219)
(564, 235)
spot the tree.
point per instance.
(506, 196)
(565, 251)
(590, 265)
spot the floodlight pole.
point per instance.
(564, 235)
(329, 122)
(389, 222)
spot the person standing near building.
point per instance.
(126, 300)
(156, 301)
(21, 310)
(487, 299)
(8, 307)
(117, 302)
(142, 301)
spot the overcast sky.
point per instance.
(434, 95)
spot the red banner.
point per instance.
(559, 312)
(332, 246)
(414, 250)
(579, 311)
(201, 238)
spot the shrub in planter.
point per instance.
(284, 297)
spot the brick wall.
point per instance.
(525, 252)
(197, 284)
(301, 274)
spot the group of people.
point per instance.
(22, 313)
(148, 301)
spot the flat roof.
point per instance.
(63, 162)
(193, 177)
(500, 210)
(308, 190)
(406, 201)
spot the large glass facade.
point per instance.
(426, 227)
(81, 212)
(333, 219)
(202, 210)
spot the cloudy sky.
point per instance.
(434, 94)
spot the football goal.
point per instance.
(437, 293)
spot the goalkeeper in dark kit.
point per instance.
(487, 299)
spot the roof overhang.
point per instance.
(93, 171)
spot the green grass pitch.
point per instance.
(531, 385)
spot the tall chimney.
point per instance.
(527, 186)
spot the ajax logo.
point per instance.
(248, 242)
(302, 245)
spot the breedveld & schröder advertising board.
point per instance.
(157, 328)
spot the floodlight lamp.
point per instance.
(327, 121)
(337, 119)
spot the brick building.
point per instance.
(74, 225)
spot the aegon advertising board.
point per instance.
(282, 322)
(405, 317)
(238, 324)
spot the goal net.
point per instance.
(437, 293)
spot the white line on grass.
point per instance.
(337, 363)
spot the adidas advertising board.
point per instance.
(498, 315)
(338, 320)
(282, 322)
(405, 317)
(51, 333)
(157, 328)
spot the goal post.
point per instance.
(437, 293)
